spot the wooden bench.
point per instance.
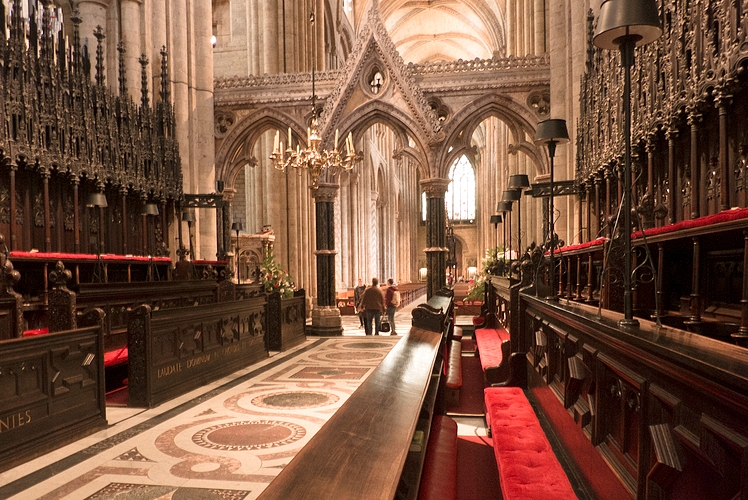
(363, 452)
(528, 468)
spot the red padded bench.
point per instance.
(115, 357)
(454, 373)
(493, 349)
(528, 468)
(439, 478)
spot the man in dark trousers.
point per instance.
(372, 302)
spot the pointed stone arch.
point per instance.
(518, 118)
(234, 151)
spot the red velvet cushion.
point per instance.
(115, 357)
(439, 478)
(723, 216)
(85, 256)
(580, 246)
(31, 333)
(528, 468)
(478, 320)
(489, 341)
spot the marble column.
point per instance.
(436, 251)
(325, 315)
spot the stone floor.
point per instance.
(227, 440)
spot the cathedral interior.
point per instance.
(188, 186)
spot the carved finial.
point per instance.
(100, 36)
(60, 276)
(8, 278)
(210, 273)
(144, 81)
(122, 76)
(164, 76)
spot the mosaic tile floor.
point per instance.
(226, 441)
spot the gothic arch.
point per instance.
(519, 119)
(402, 125)
(233, 153)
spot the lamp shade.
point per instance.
(237, 226)
(620, 20)
(188, 216)
(149, 209)
(510, 195)
(504, 206)
(518, 181)
(496, 219)
(552, 130)
(96, 200)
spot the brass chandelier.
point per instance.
(314, 158)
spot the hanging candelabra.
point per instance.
(314, 158)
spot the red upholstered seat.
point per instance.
(489, 341)
(38, 331)
(478, 321)
(115, 357)
(528, 468)
(439, 478)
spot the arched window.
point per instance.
(460, 197)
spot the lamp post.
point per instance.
(551, 132)
(189, 218)
(237, 226)
(506, 207)
(623, 25)
(518, 183)
(510, 196)
(496, 220)
(98, 200)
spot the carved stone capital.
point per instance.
(435, 187)
(325, 192)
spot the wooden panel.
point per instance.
(360, 452)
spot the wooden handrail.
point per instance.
(360, 452)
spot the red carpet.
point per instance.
(477, 474)
(471, 394)
(468, 344)
(117, 397)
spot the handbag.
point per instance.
(384, 325)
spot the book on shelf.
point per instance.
(416, 444)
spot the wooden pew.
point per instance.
(363, 450)
(173, 351)
(51, 390)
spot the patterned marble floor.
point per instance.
(227, 441)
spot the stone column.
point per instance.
(325, 315)
(93, 14)
(131, 36)
(436, 251)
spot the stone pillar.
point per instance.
(436, 251)
(325, 315)
(93, 14)
(131, 36)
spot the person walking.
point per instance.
(358, 292)
(391, 301)
(372, 303)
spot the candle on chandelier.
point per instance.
(289, 137)
(308, 137)
(336, 139)
(275, 141)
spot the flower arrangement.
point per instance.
(492, 265)
(274, 278)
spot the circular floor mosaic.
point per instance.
(366, 345)
(248, 435)
(353, 356)
(295, 400)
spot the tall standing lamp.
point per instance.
(506, 207)
(519, 183)
(510, 196)
(496, 220)
(551, 132)
(237, 226)
(98, 200)
(624, 25)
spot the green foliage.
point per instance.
(274, 278)
(492, 265)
